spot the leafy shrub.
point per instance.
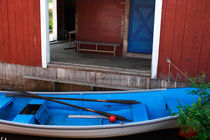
(196, 117)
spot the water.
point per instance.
(158, 135)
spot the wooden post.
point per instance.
(77, 47)
(96, 47)
(69, 39)
(114, 50)
(126, 27)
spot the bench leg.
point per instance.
(69, 40)
(114, 50)
(77, 48)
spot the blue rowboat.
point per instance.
(40, 117)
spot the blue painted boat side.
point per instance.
(155, 104)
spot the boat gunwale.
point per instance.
(92, 127)
(88, 92)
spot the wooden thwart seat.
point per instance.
(97, 49)
(25, 118)
(35, 111)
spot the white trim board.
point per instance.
(55, 23)
(44, 14)
(156, 38)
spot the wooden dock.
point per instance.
(70, 77)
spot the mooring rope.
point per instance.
(172, 64)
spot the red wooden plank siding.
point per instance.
(189, 40)
(205, 50)
(167, 38)
(31, 32)
(197, 36)
(38, 33)
(100, 21)
(185, 37)
(1, 38)
(162, 59)
(12, 31)
(26, 32)
(19, 32)
(5, 31)
(208, 68)
(178, 36)
(20, 37)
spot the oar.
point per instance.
(96, 100)
(75, 106)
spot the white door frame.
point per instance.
(55, 23)
(156, 38)
(45, 46)
(45, 36)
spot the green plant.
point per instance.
(196, 117)
(50, 19)
(50, 24)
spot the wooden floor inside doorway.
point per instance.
(61, 55)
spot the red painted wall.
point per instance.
(185, 32)
(100, 21)
(20, 37)
(185, 37)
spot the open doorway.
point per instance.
(66, 11)
(97, 24)
(61, 19)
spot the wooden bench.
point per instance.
(97, 49)
(70, 37)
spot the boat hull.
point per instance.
(153, 114)
(91, 131)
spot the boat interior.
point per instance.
(154, 105)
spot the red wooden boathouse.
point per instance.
(156, 29)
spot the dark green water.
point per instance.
(158, 135)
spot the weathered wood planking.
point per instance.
(12, 75)
(184, 33)
(62, 78)
(20, 32)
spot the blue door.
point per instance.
(140, 39)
